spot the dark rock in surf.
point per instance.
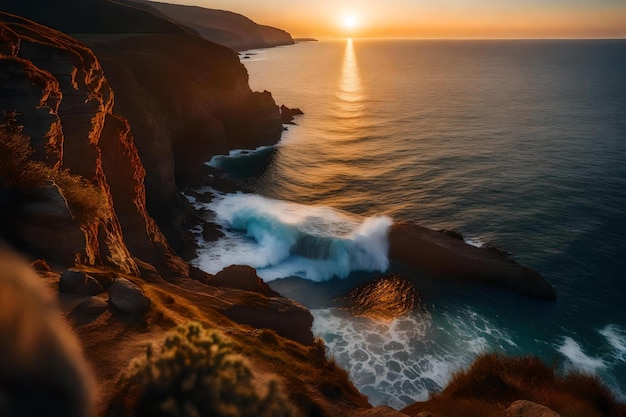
(452, 233)
(385, 298)
(287, 115)
(211, 232)
(452, 260)
(497, 250)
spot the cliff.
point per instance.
(65, 103)
(223, 27)
(186, 99)
(92, 16)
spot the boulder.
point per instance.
(242, 277)
(385, 298)
(78, 282)
(523, 408)
(453, 261)
(128, 298)
(286, 317)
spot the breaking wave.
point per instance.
(282, 239)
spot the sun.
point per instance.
(350, 21)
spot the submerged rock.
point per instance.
(211, 232)
(385, 298)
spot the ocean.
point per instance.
(521, 144)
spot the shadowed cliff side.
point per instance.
(60, 94)
(91, 16)
(220, 26)
(186, 99)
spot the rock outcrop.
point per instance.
(91, 16)
(448, 257)
(286, 317)
(242, 277)
(223, 27)
(62, 98)
(186, 99)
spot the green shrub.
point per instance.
(195, 373)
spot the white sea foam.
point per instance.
(218, 160)
(401, 362)
(283, 239)
(616, 337)
(578, 359)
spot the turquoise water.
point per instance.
(518, 143)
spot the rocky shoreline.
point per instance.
(126, 122)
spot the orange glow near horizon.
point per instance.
(450, 19)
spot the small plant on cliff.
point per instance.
(85, 200)
(16, 167)
(195, 373)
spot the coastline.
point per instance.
(138, 157)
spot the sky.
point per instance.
(434, 18)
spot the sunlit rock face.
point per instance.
(64, 101)
(384, 298)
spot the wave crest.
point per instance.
(283, 239)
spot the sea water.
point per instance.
(521, 144)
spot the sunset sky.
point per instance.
(435, 18)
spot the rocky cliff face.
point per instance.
(186, 100)
(65, 103)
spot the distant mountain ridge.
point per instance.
(93, 16)
(220, 26)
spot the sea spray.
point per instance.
(578, 359)
(283, 239)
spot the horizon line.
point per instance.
(455, 39)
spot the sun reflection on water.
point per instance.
(350, 94)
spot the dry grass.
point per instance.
(85, 199)
(494, 381)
